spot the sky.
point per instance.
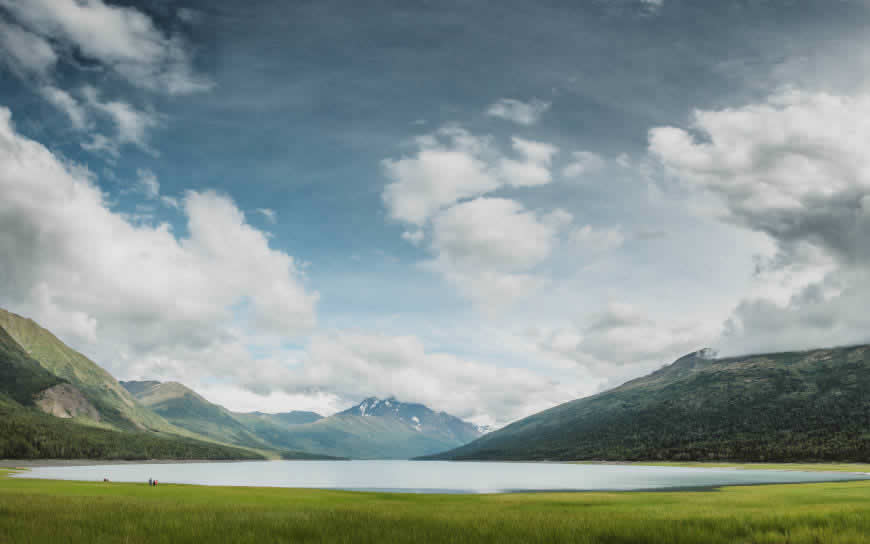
(486, 207)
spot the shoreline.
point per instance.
(36, 463)
(15, 468)
(854, 468)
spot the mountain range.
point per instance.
(796, 406)
(55, 402)
(793, 406)
(373, 429)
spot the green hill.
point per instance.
(27, 390)
(799, 406)
(116, 406)
(184, 408)
(374, 429)
(21, 378)
(30, 434)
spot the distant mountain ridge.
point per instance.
(44, 381)
(381, 429)
(374, 428)
(417, 416)
(795, 406)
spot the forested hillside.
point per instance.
(799, 406)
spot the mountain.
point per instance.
(115, 405)
(186, 409)
(22, 378)
(795, 406)
(41, 415)
(379, 429)
(373, 429)
(419, 417)
(41, 373)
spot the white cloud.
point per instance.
(132, 125)
(100, 144)
(138, 290)
(121, 38)
(488, 247)
(582, 163)
(523, 113)
(452, 164)
(795, 168)
(63, 101)
(533, 169)
(25, 53)
(448, 166)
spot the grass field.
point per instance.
(43, 511)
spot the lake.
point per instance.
(433, 476)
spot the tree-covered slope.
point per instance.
(26, 433)
(799, 406)
(116, 406)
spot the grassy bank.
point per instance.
(811, 467)
(42, 511)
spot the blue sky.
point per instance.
(486, 207)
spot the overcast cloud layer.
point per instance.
(486, 209)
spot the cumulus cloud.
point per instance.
(89, 274)
(794, 167)
(452, 164)
(488, 247)
(121, 38)
(523, 113)
(448, 166)
(534, 167)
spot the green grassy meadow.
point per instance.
(44, 511)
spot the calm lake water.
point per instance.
(433, 476)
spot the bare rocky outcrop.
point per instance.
(64, 400)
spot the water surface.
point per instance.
(434, 476)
